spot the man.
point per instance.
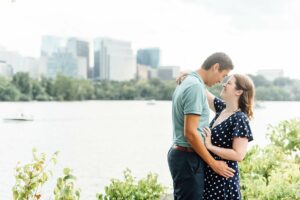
(190, 114)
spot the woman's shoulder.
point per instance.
(241, 116)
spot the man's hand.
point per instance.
(221, 168)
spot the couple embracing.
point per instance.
(203, 159)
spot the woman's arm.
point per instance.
(210, 99)
(237, 153)
(182, 76)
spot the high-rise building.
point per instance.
(5, 69)
(80, 48)
(69, 56)
(113, 60)
(142, 72)
(168, 72)
(67, 64)
(17, 63)
(51, 44)
(149, 56)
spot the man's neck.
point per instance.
(203, 74)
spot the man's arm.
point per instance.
(192, 136)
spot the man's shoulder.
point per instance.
(192, 81)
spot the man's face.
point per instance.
(218, 76)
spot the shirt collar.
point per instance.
(195, 74)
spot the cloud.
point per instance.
(254, 14)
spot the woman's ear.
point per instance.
(239, 92)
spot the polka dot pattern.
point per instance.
(237, 125)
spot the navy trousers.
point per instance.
(187, 171)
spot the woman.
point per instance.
(228, 135)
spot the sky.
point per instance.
(256, 34)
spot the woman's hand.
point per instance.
(207, 132)
(181, 77)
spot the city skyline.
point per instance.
(256, 34)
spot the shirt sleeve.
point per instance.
(242, 127)
(219, 104)
(192, 100)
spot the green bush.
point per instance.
(65, 187)
(145, 189)
(31, 177)
(273, 172)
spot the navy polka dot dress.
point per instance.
(237, 125)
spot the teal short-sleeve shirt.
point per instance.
(189, 98)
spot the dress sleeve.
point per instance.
(242, 127)
(219, 104)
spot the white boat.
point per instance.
(151, 102)
(19, 117)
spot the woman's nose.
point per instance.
(224, 84)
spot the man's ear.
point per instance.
(216, 67)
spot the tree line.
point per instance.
(23, 88)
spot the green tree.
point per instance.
(65, 88)
(260, 80)
(38, 91)
(23, 82)
(282, 81)
(48, 85)
(8, 92)
(272, 93)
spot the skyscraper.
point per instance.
(66, 63)
(69, 57)
(80, 48)
(149, 56)
(51, 44)
(113, 59)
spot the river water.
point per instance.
(100, 139)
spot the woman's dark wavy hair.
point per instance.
(246, 100)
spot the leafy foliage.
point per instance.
(273, 172)
(30, 177)
(65, 187)
(145, 189)
(62, 88)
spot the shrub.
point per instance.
(273, 172)
(65, 187)
(145, 189)
(31, 177)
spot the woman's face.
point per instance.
(229, 89)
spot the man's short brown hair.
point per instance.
(219, 57)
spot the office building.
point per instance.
(113, 60)
(149, 56)
(168, 72)
(66, 56)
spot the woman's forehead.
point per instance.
(229, 78)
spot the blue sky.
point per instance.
(257, 34)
